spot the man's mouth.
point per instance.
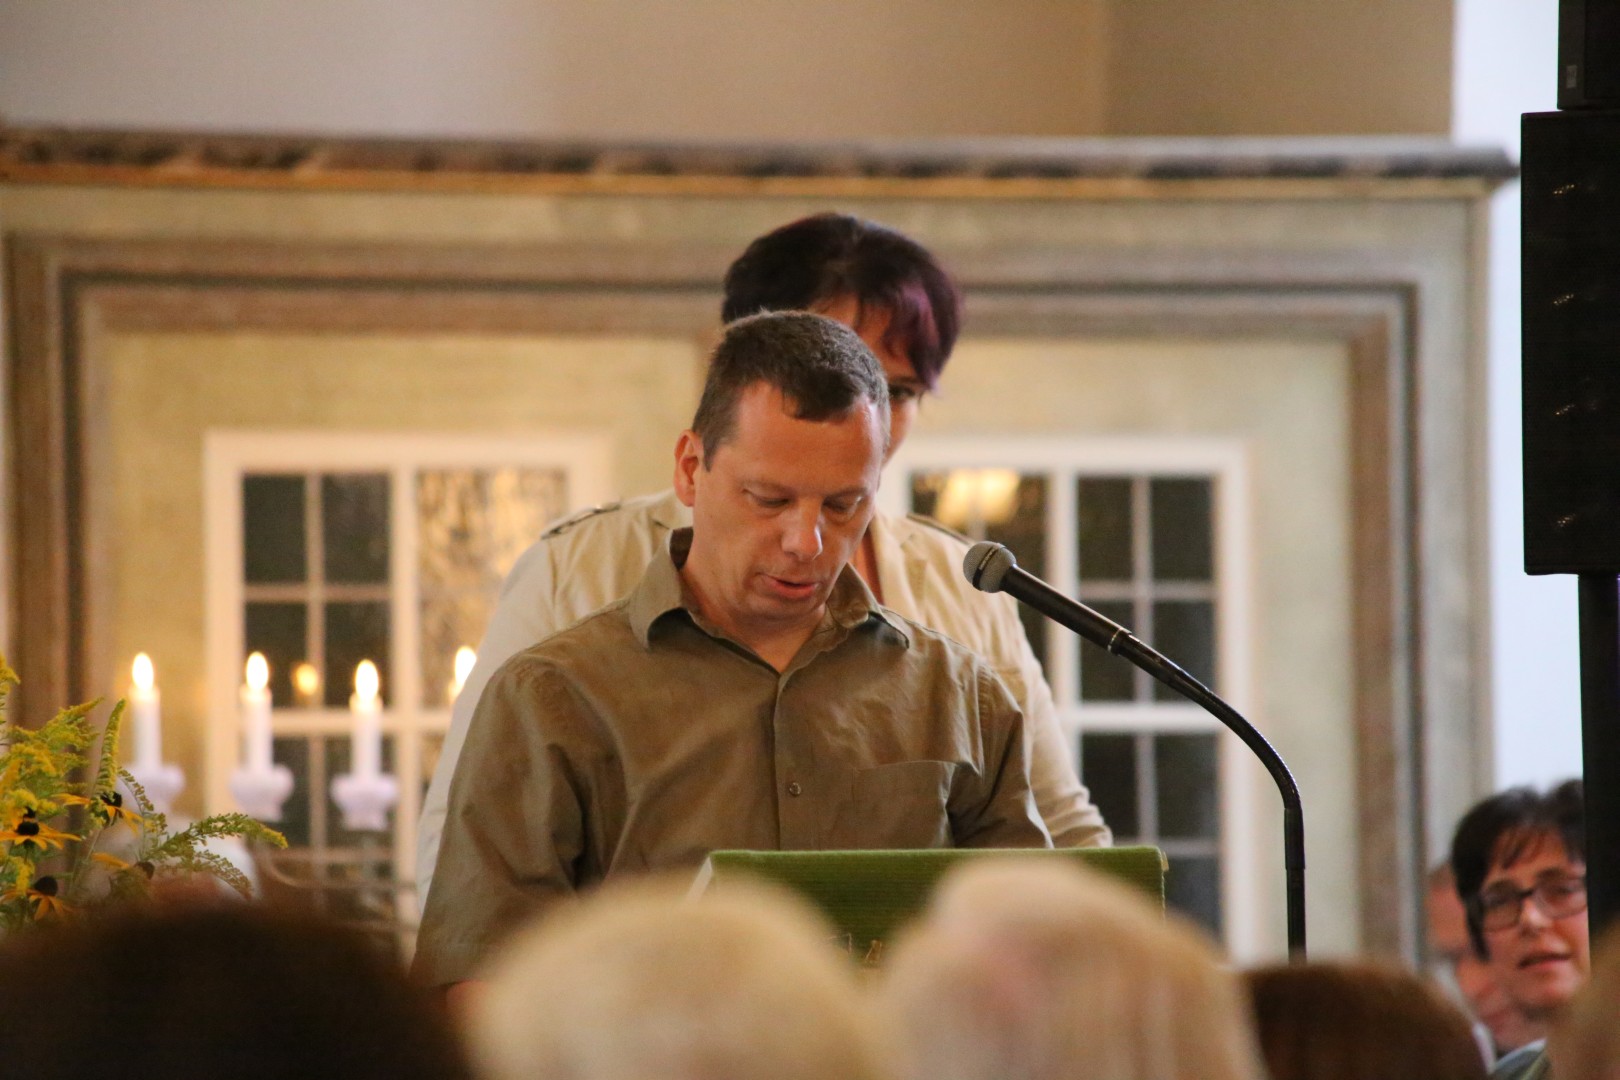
(790, 588)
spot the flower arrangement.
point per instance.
(55, 828)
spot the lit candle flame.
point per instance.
(143, 672)
(258, 672)
(306, 680)
(366, 682)
(465, 659)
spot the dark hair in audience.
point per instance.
(1508, 826)
(217, 991)
(820, 366)
(1359, 1021)
(822, 258)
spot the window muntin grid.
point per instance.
(1147, 551)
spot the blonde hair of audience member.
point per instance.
(1585, 1041)
(639, 983)
(1359, 1021)
(1041, 970)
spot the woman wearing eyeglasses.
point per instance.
(1519, 859)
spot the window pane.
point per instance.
(273, 529)
(354, 527)
(1023, 525)
(448, 623)
(1104, 676)
(1103, 507)
(1108, 768)
(355, 632)
(1182, 546)
(293, 752)
(1184, 774)
(925, 492)
(280, 631)
(1193, 887)
(1184, 630)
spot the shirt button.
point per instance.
(794, 788)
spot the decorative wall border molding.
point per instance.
(64, 291)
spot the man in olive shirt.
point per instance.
(750, 693)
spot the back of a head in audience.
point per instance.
(213, 991)
(639, 983)
(1038, 970)
(1359, 1021)
(1585, 1042)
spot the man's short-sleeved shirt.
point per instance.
(641, 739)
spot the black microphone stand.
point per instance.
(991, 567)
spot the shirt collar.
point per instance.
(662, 592)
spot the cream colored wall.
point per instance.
(1286, 402)
(159, 394)
(1280, 67)
(733, 69)
(822, 69)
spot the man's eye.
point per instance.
(1494, 901)
(900, 394)
(843, 507)
(769, 502)
(1562, 889)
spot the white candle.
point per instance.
(366, 749)
(143, 707)
(465, 659)
(256, 714)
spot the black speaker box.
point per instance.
(1570, 192)
(1588, 54)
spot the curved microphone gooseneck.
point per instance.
(991, 568)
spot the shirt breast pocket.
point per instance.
(904, 805)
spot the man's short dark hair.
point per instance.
(821, 258)
(1505, 827)
(820, 366)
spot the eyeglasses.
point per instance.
(1501, 906)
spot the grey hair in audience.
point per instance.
(1036, 969)
(637, 983)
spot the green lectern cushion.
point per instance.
(867, 894)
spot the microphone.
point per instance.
(991, 568)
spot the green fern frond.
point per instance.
(107, 770)
(220, 825)
(209, 863)
(142, 799)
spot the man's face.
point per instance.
(1541, 961)
(906, 390)
(777, 513)
(1448, 941)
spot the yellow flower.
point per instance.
(31, 833)
(113, 862)
(109, 807)
(44, 895)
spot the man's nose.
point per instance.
(801, 535)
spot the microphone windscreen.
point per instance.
(986, 565)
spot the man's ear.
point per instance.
(688, 463)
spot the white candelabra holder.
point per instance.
(261, 791)
(161, 780)
(365, 800)
(365, 793)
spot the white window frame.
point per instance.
(586, 459)
(1228, 463)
